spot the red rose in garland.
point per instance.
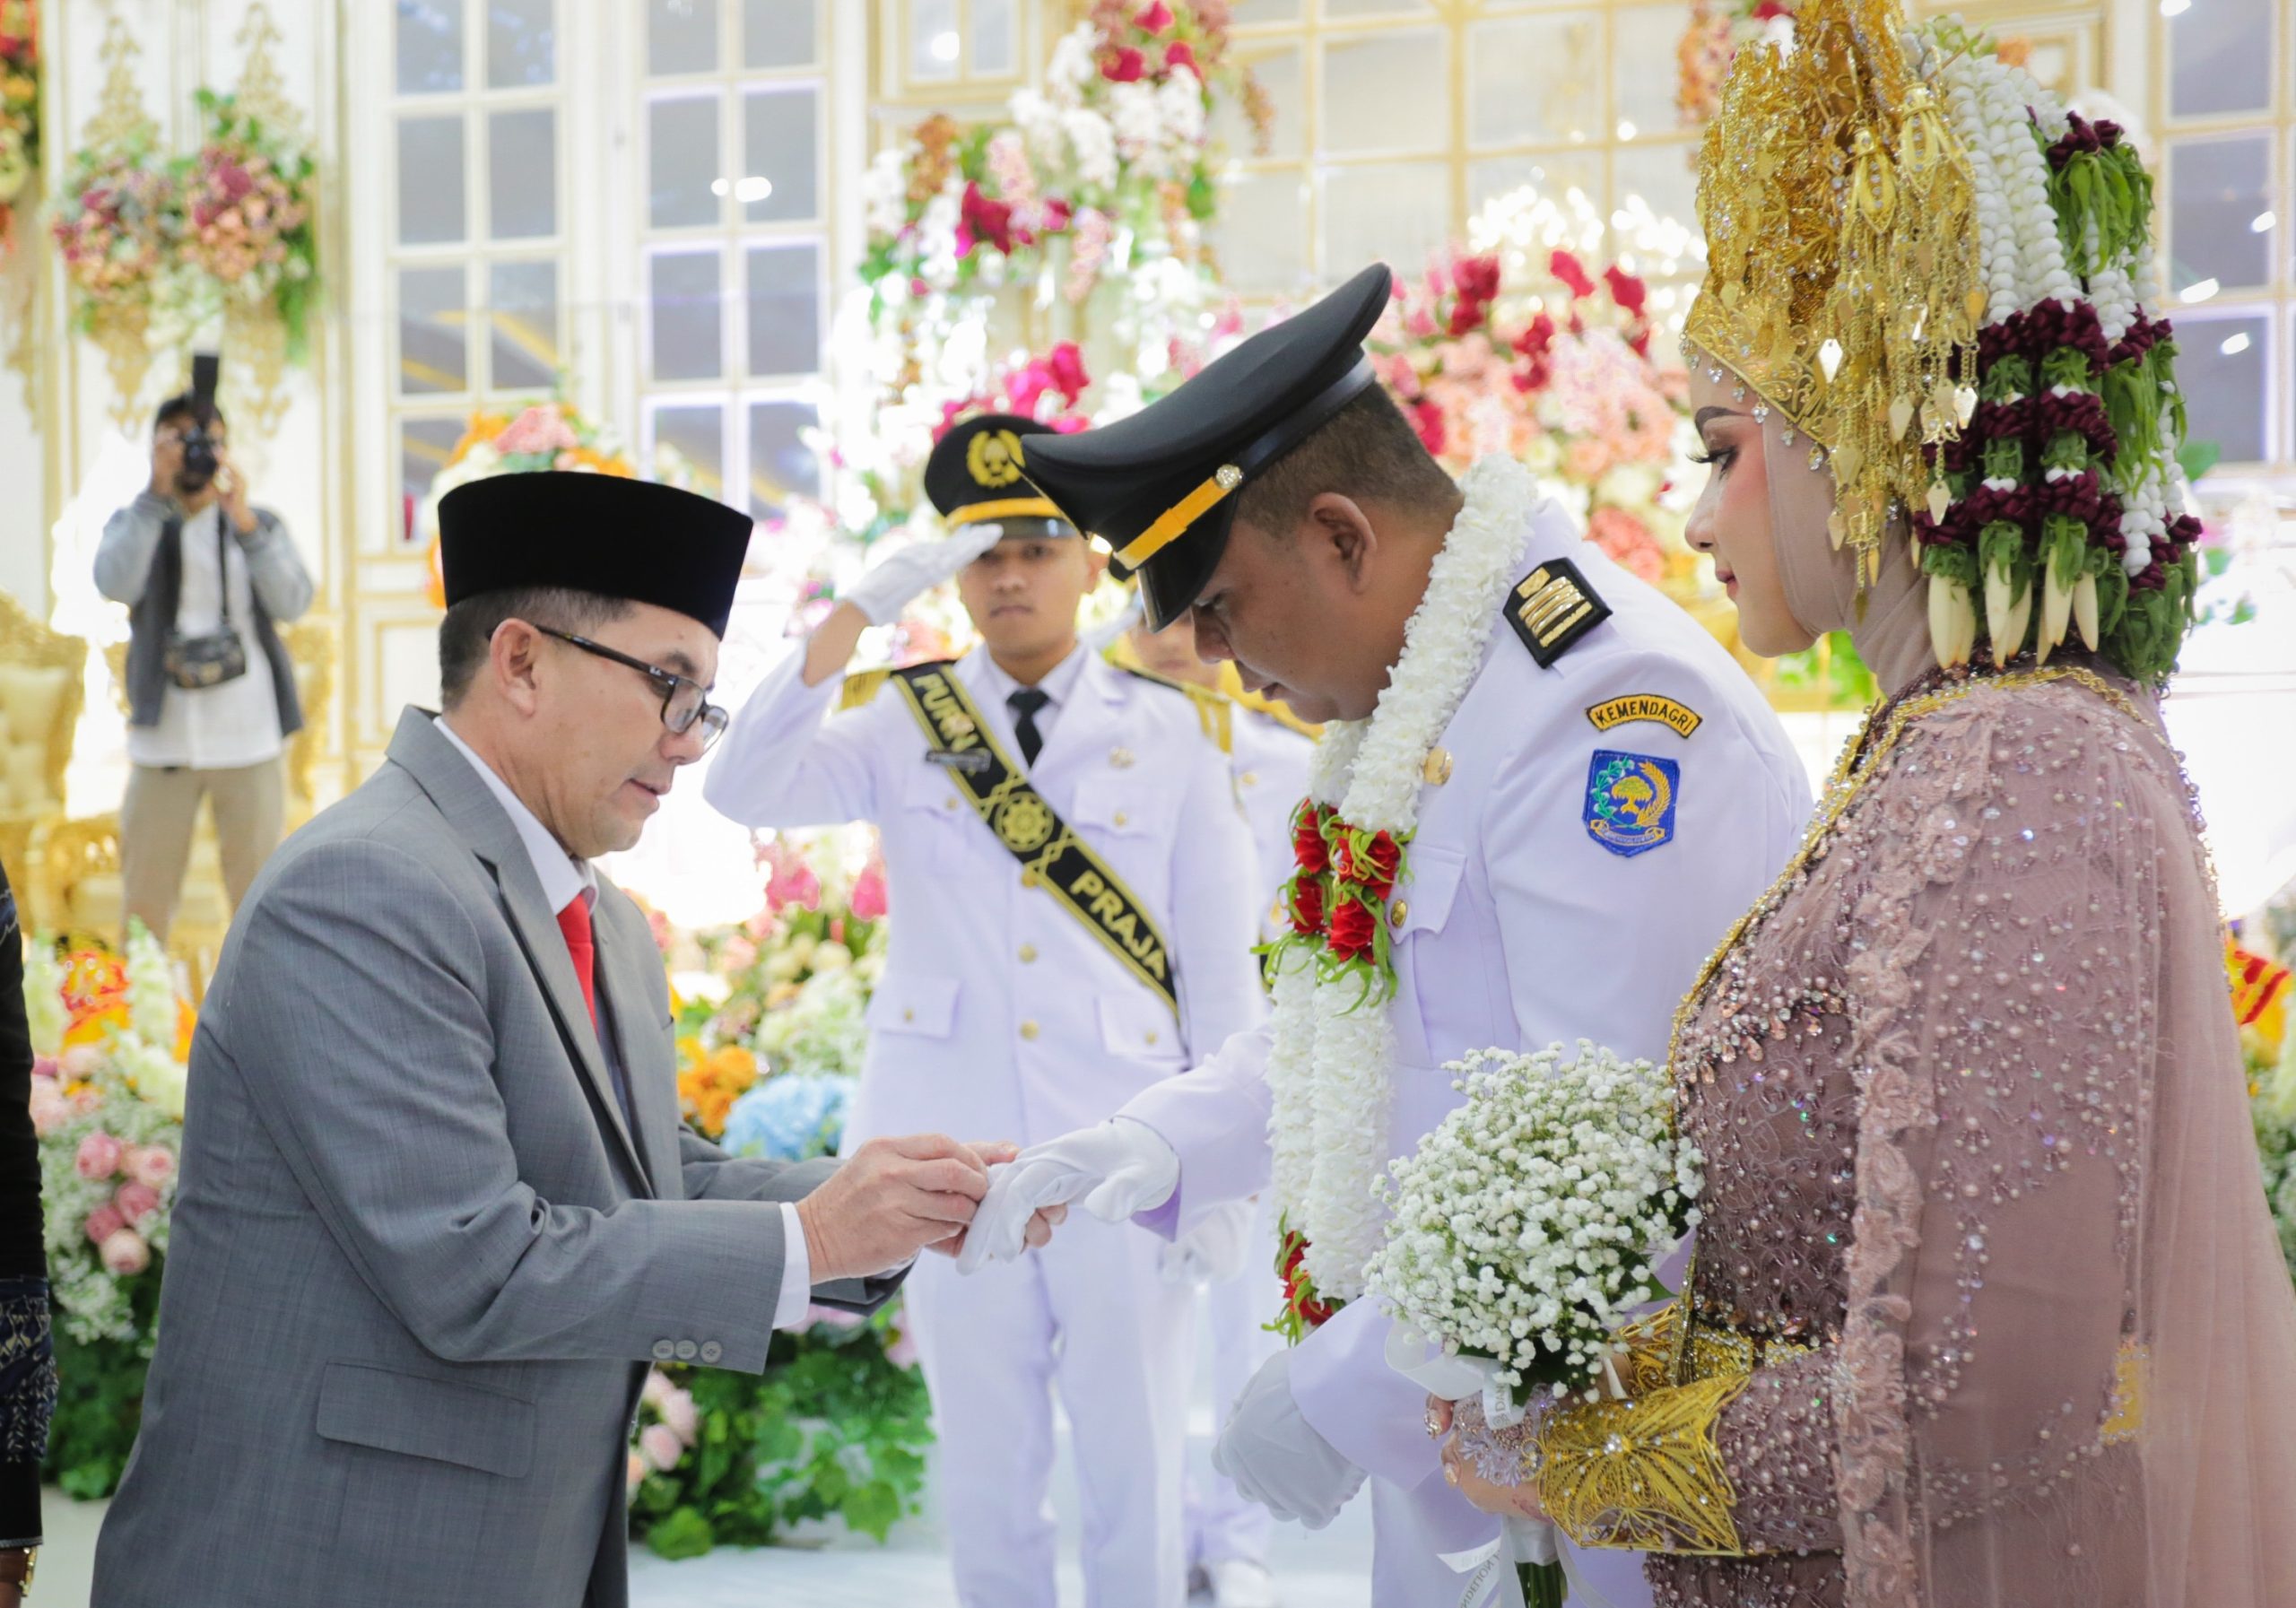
(1308, 906)
(1308, 850)
(1354, 930)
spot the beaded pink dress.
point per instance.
(1988, 1309)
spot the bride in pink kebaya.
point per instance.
(1986, 1310)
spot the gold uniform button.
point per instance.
(1028, 879)
(1399, 914)
(1250, 778)
(1029, 1028)
(1122, 819)
(1028, 952)
(948, 803)
(1438, 768)
(909, 1016)
(1152, 1038)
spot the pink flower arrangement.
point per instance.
(98, 1158)
(116, 226)
(541, 428)
(150, 1165)
(789, 881)
(661, 1447)
(136, 1203)
(126, 1254)
(50, 1110)
(1629, 541)
(868, 902)
(240, 213)
(102, 1224)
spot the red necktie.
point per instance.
(574, 921)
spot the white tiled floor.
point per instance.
(1330, 1568)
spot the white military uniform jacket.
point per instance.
(1519, 926)
(999, 1015)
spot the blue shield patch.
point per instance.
(1631, 801)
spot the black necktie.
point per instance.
(1024, 705)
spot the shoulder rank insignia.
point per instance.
(1551, 607)
(1645, 705)
(1214, 712)
(862, 686)
(1631, 801)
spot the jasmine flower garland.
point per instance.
(1331, 1063)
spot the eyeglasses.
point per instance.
(684, 703)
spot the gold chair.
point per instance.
(40, 697)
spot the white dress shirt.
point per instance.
(565, 879)
(222, 727)
(998, 685)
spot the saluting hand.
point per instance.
(885, 590)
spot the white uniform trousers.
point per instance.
(1090, 1315)
(1222, 1521)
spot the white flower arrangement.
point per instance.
(1531, 1221)
(1331, 1064)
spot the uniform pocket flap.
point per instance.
(419, 1416)
(1122, 806)
(1137, 1024)
(1423, 903)
(924, 1005)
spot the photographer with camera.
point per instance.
(211, 693)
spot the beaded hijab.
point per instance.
(1921, 260)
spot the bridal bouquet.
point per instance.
(1527, 1228)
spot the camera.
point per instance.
(199, 459)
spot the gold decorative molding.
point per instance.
(64, 854)
(253, 333)
(122, 334)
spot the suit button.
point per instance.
(1028, 952)
(1029, 1028)
(711, 1351)
(687, 1351)
(1399, 914)
(664, 1351)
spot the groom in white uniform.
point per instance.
(1071, 882)
(1281, 500)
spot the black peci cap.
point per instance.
(592, 533)
(1158, 487)
(974, 475)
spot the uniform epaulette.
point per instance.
(862, 685)
(1214, 712)
(1552, 608)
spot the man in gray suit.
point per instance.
(438, 1211)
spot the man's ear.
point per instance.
(513, 658)
(1341, 526)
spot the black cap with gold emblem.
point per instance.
(974, 476)
(1159, 487)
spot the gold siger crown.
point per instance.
(1842, 279)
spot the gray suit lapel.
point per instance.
(472, 811)
(625, 948)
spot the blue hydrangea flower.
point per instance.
(789, 1118)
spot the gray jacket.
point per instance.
(419, 1261)
(140, 562)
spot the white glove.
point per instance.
(886, 589)
(1117, 1167)
(1276, 1458)
(1214, 1249)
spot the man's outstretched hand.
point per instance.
(892, 1198)
(1117, 1169)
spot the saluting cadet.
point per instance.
(1231, 1252)
(1597, 792)
(1073, 893)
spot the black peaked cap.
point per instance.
(974, 475)
(1159, 487)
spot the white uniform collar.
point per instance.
(564, 878)
(1060, 685)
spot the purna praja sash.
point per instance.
(1052, 857)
